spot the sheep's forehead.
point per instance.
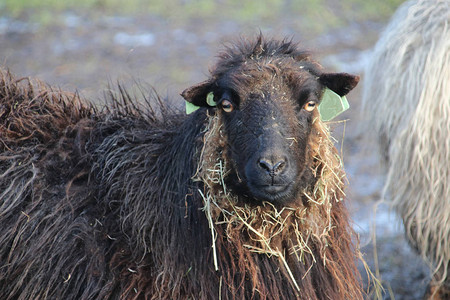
(283, 77)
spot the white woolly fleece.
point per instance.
(406, 101)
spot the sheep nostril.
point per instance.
(279, 166)
(265, 165)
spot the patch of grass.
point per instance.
(317, 14)
(370, 10)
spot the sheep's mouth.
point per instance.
(275, 193)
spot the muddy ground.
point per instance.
(85, 53)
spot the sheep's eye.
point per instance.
(227, 106)
(309, 106)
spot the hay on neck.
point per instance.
(265, 228)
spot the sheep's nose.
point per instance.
(273, 166)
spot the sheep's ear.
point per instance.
(340, 83)
(197, 94)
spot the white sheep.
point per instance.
(406, 100)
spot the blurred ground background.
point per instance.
(84, 45)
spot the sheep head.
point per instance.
(267, 93)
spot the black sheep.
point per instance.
(239, 200)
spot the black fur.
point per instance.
(102, 204)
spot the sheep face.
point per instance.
(268, 104)
(267, 125)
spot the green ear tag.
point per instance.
(190, 108)
(332, 105)
(210, 99)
